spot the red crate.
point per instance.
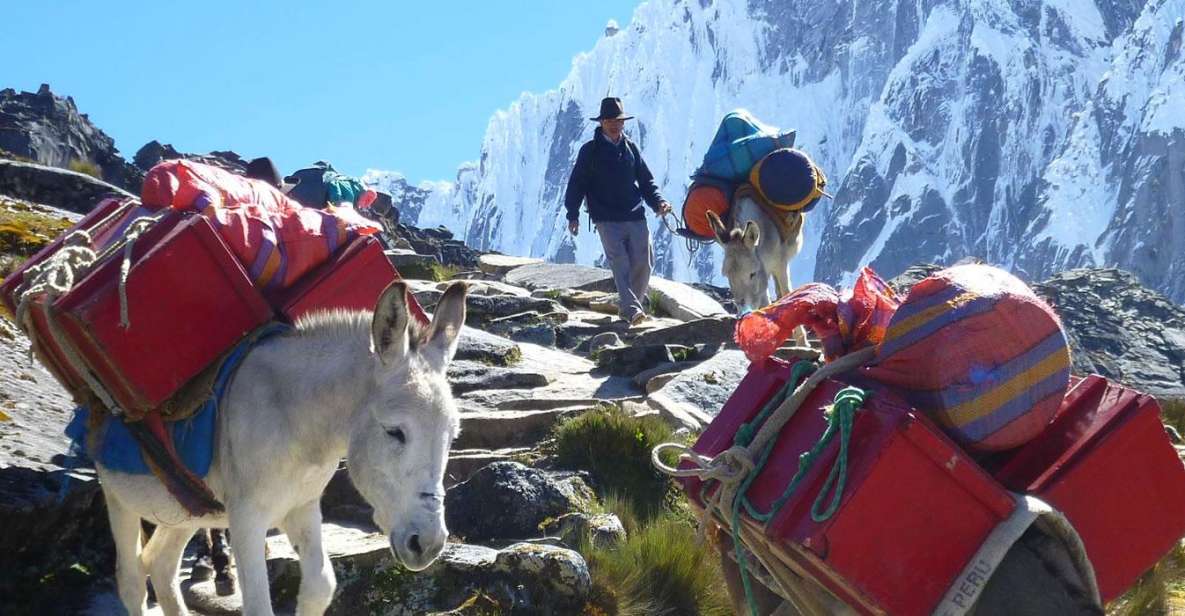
(914, 511)
(102, 222)
(352, 280)
(189, 301)
(1106, 462)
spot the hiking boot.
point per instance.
(638, 318)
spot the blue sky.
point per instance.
(406, 86)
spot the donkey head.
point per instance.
(747, 277)
(398, 450)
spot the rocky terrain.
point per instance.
(542, 347)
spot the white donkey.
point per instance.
(370, 388)
(755, 250)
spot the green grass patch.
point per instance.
(428, 271)
(656, 307)
(86, 167)
(1172, 413)
(660, 569)
(1159, 591)
(615, 448)
(24, 229)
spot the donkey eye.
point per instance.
(397, 434)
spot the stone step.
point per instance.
(510, 428)
(462, 463)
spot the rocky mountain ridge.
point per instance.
(1040, 135)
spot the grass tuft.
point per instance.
(1159, 591)
(86, 167)
(615, 448)
(660, 569)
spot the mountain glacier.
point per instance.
(1036, 134)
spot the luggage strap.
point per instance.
(1030, 510)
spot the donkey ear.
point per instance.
(388, 331)
(718, 227)
(441, 339)
(752, 234)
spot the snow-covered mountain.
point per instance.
(1039, 134)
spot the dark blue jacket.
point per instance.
(613, 180)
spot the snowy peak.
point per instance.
(1036, 134)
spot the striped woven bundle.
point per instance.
(974, 348)
(739, 143)
(275, 238)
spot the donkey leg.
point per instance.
(129, 570)
(162, 556)
(317, 581)
(782, 284)
(248, 534)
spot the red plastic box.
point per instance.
(1106, 462)
(101, 222)
(914, 510)
(352, 280)
(189, 301)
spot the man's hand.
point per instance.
(664, 208)
(574, 227)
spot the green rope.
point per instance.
(840, 419)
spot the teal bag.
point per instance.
(739, 143)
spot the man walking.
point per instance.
(611, 177)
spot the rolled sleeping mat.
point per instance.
(788, 179)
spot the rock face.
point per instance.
(507, 500)
(154, 151)
(1121, 329)
(44, 504)
(936, 145)
(60, 188)
(48, 130)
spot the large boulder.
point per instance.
(630, 360)
(1121, 329)
(154, 152)
(534, 580)
(60, 188)
(695, 396)
(561, 276)
(711, 331)
(499, 265)
(476, 345)
(49, 130)
(681, 301)
(507, 500)
(481, 308)
(466, 376)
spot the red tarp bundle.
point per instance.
(275, 238)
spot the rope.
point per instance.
(736, 468)
(137, 228)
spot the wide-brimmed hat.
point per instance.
(612, 109)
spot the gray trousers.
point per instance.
(627, 249)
